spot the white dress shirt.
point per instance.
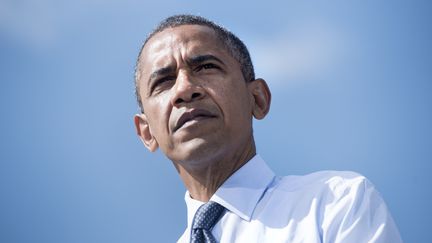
(327, 206)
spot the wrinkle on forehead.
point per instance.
(183, 40)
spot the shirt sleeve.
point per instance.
(357, 213)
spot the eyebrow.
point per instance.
(161, 71)
(191, 61)
(202, 58)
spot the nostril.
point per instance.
(179, 100)
(195, 95)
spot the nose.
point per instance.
(186, 90)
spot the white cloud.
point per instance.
(29, 22)
(301, 53)
(39, 23)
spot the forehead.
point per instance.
(184, 33)
(191, 35)
(173, 44)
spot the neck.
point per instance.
(203, 182)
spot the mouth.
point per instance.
(192, 115)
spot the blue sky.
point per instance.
(351, 85)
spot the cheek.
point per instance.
(156, 111)
(233, 101)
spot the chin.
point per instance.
(197, 151)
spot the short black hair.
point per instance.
(234, 45)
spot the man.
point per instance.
(197, 91)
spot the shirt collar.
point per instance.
(241, 192)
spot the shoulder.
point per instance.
(328, 190)
(334, 182)
(345, 205)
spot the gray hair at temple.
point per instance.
(234, 45)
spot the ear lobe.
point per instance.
(261, 98)
(144, 132)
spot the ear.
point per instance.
(261, 98)
(144, 132)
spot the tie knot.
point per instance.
(207, 215)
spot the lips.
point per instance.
(194, 114)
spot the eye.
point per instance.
(206, 66)
(162, 83)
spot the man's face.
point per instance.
(196, 102)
